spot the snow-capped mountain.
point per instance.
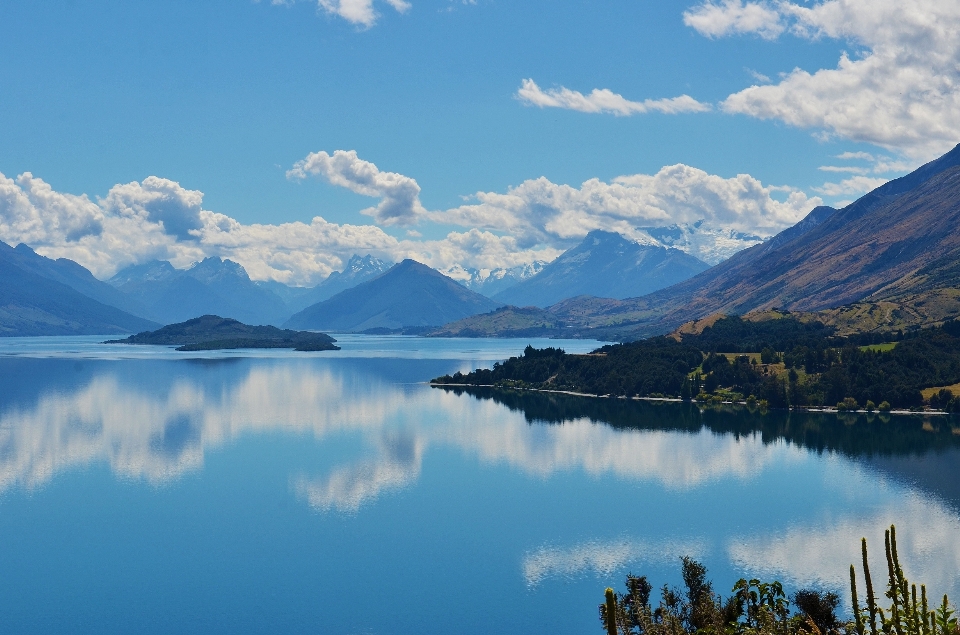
(492, 281)
(712, 245)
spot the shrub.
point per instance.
(941, 399)
(762, 608)
(849, 403)
(884, 406)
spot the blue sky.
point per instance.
(225, 97)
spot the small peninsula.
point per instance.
(212, 332)
(773, 358)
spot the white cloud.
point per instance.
(358, 12)
(541, 212)
(853, 185)
(159, 219)
(400, 194)
(877, 164)
(735, 16)
(604, 101)
(848, 156)
(901, 93)
(159, 201)
(847, 169)
(102, 236)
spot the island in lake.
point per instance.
(212, 332)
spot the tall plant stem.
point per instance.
(611, 611)
(871, 600)
(856, 603)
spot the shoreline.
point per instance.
(693, 401)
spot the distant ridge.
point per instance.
(409, 294)
(73, 275)
(604, 264)
(31, 304)
(211, 286)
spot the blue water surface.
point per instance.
(151, 491)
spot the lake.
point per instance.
(149, 491)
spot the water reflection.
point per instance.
(928, 539)
(157, 420)
(396, 465)
(605, 558)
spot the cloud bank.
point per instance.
(159, 219)
(902, 92)
(539, 211)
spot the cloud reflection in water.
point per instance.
(605, 558)
(159, 433)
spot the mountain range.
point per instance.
(489, 282)
(899, 241)
(891, 259)
(410, 294)
(211, 286)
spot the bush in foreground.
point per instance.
(762, 608)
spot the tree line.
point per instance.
(799, 364)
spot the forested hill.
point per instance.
(783, 362)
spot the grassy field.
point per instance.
(880, 348)
(929, 392)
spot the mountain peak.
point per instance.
(214, 268)
(358, 263)
(604, 264)
(410, 294)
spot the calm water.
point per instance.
(143, 490)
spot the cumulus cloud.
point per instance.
(902, 92)
(400, 204)
(604, 101)
(159, 201)
(102, 236)
(539, 211)
(735, 16)
(158, 219)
